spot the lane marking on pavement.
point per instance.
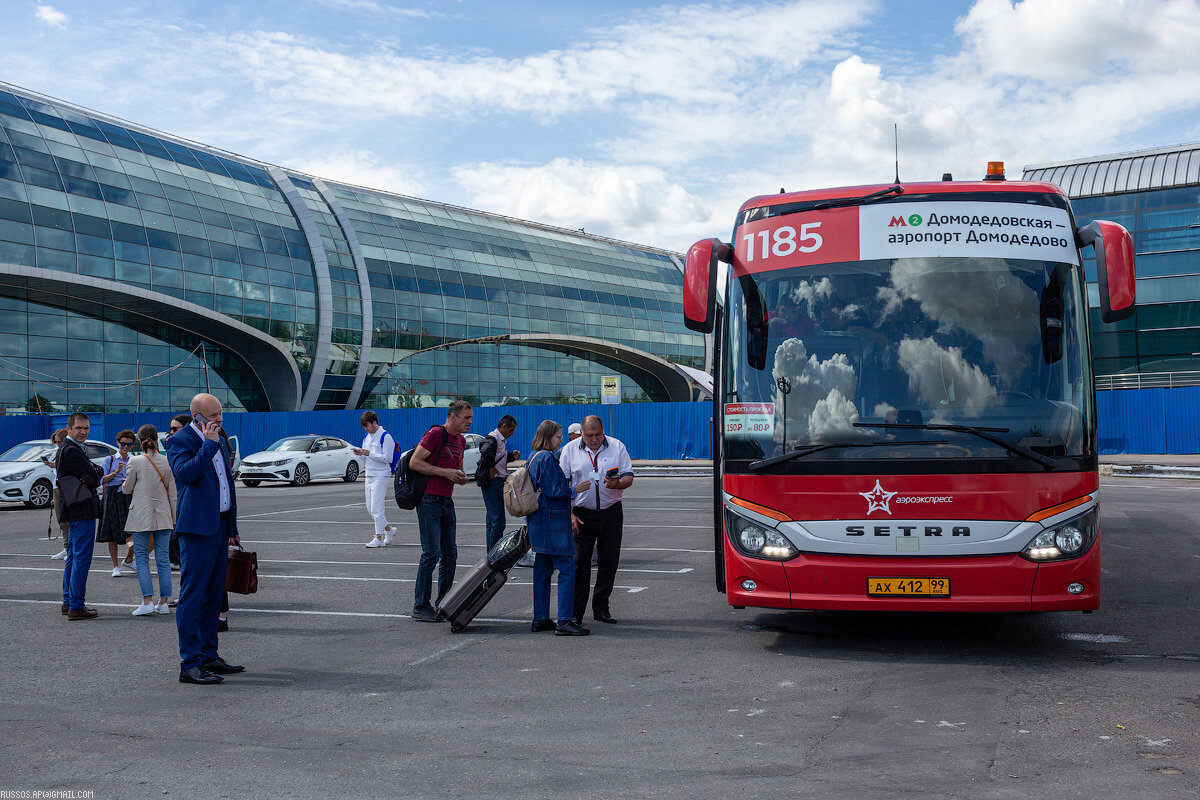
(297, 612)
(298, 510)
(438, 654)
(628, 589)
(680, 571)
(461, 546)
(369, 523)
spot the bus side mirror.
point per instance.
(1114, 267)
(700, 284)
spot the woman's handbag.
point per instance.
(241, 575)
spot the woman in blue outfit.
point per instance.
(550, 536)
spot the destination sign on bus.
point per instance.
(906, 230)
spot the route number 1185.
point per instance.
(782, 241)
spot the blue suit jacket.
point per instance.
(199, 508)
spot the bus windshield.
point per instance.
(893, 353)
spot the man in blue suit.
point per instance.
(206, 522)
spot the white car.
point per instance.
(471, 455)
(25, 479)
(300, 460)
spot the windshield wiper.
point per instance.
(800, 452)
(982, 433)
(873, 197)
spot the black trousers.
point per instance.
(600, 530)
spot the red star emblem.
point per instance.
(878, 499)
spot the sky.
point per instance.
(648, 122)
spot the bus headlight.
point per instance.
(756, 540)
(1069, 539)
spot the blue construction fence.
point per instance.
(1144, 421)
(1149, 421)
(649, 430)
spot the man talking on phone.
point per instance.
(206, 522)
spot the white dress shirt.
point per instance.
(581, 463)
(500, 468)
(218, 462)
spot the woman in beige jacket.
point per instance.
(151, 517)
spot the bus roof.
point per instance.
(929, 187)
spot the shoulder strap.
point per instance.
(164, 485)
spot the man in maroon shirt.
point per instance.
(439, 456)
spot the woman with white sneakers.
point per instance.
(149, 480)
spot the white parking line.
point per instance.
(369, 523)
(680, 571)
(298, 510)
(628, 589)
(297, 612)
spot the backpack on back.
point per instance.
(483, 470)
(396, 454)
(408, 485)
(520, 498)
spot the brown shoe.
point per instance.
(65, 609)
(82, 613)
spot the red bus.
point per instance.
(904, 413)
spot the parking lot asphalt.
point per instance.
(346, 696)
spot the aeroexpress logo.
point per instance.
(878, 499)
(911, 221)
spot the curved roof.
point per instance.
(1124, 172)
(269, 360)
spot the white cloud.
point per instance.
(364, 168)
(988, 302)
(654, 129)
(1074, 40)
(635, 202)
(816, 403)
(50, 15)
(944, 379)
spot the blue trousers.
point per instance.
(543, 568)
(435, 517)
(141, 557)
(79, 560)
(493, 501)
(202, 563)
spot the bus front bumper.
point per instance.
(1005, 583)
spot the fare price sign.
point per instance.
(749, 420)
(897, 229)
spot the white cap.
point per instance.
(575, 427)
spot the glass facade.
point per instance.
(90, 202)
(1155, 195)
(1163, 335)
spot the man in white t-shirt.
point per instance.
(378, 450)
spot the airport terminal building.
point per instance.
(1155, 194)
(136, 267)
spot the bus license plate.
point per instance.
(908, 587)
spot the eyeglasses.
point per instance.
(125, 444)
(175, 429)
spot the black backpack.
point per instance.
(487, 460)
(408, 484)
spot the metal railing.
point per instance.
(1147, 380)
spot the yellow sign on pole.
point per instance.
(610, 389)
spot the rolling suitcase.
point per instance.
(468, 597)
